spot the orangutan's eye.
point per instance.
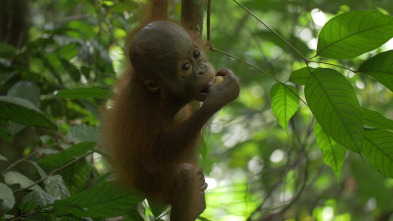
(186, 66)
(196, 53)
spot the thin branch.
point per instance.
(335, 65)
(210, 45)
(27, 215)
(274, 32)
(208, 22)
(287, 168)
(191, 17)
(19, 161)
(255, 67)
(54, 171)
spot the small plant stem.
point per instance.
(19, 161)
(53, 172)
(255, 67)
(335, 65)
(274, 32)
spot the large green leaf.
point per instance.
(14, 177)
(104, 201)
(7, 197)
(26, 90)
(56, 187)
(285, 103)
(334, 104)
(353, 33)
(76, 176)
(81, 133)
(378, 148)
(24, 112)
(59, 159)
(36, 199)
(80, 93)
(380, 67)
(71, 69)
(376, 120)
(300, 76)
(5, 135)
(333, 154)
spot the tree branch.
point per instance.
(54, 171)
(192, 12)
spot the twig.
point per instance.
(208, 22)
(27, 215)
(277, 183)
(20, 160)
(210, 45)
(274, 32)
(258, 69)
(335, 65)
(53, 172)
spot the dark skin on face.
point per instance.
(152, 131)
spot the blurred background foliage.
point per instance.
(255, 169)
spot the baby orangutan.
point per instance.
(152, 129)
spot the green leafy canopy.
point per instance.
(353, 33)
(334, 104)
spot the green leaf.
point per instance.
(13, 177)
(71, 69)
(36, 199)
(81, 133)
(133, 215)
(5, 135)
(5, 77)
(334, 104)
(56, 187)
(300, 76)
(103, 201)
(59, 159)
(333, 154)
(81, 93)
(380, 67)
(157, 208)
(24, 112)
(69, 51)
(3, 158)
(76, 176)
(39, 169)
(7, 48)
(378, 148)
(376, 120)
(81, 30)
(285, 103)
(26, 90)
(7, 197)
(353, 33)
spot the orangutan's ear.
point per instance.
(152, 86)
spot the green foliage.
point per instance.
(380, 67)
(334, 91)
(378, 149)
(7, 197)
(106, 200)
(353, 33)
(24, 112)
(56, 160)
(333, 154)
(285, 103)
(81, 93)
(376, 120)
(334, 104)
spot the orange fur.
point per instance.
(152, 129)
